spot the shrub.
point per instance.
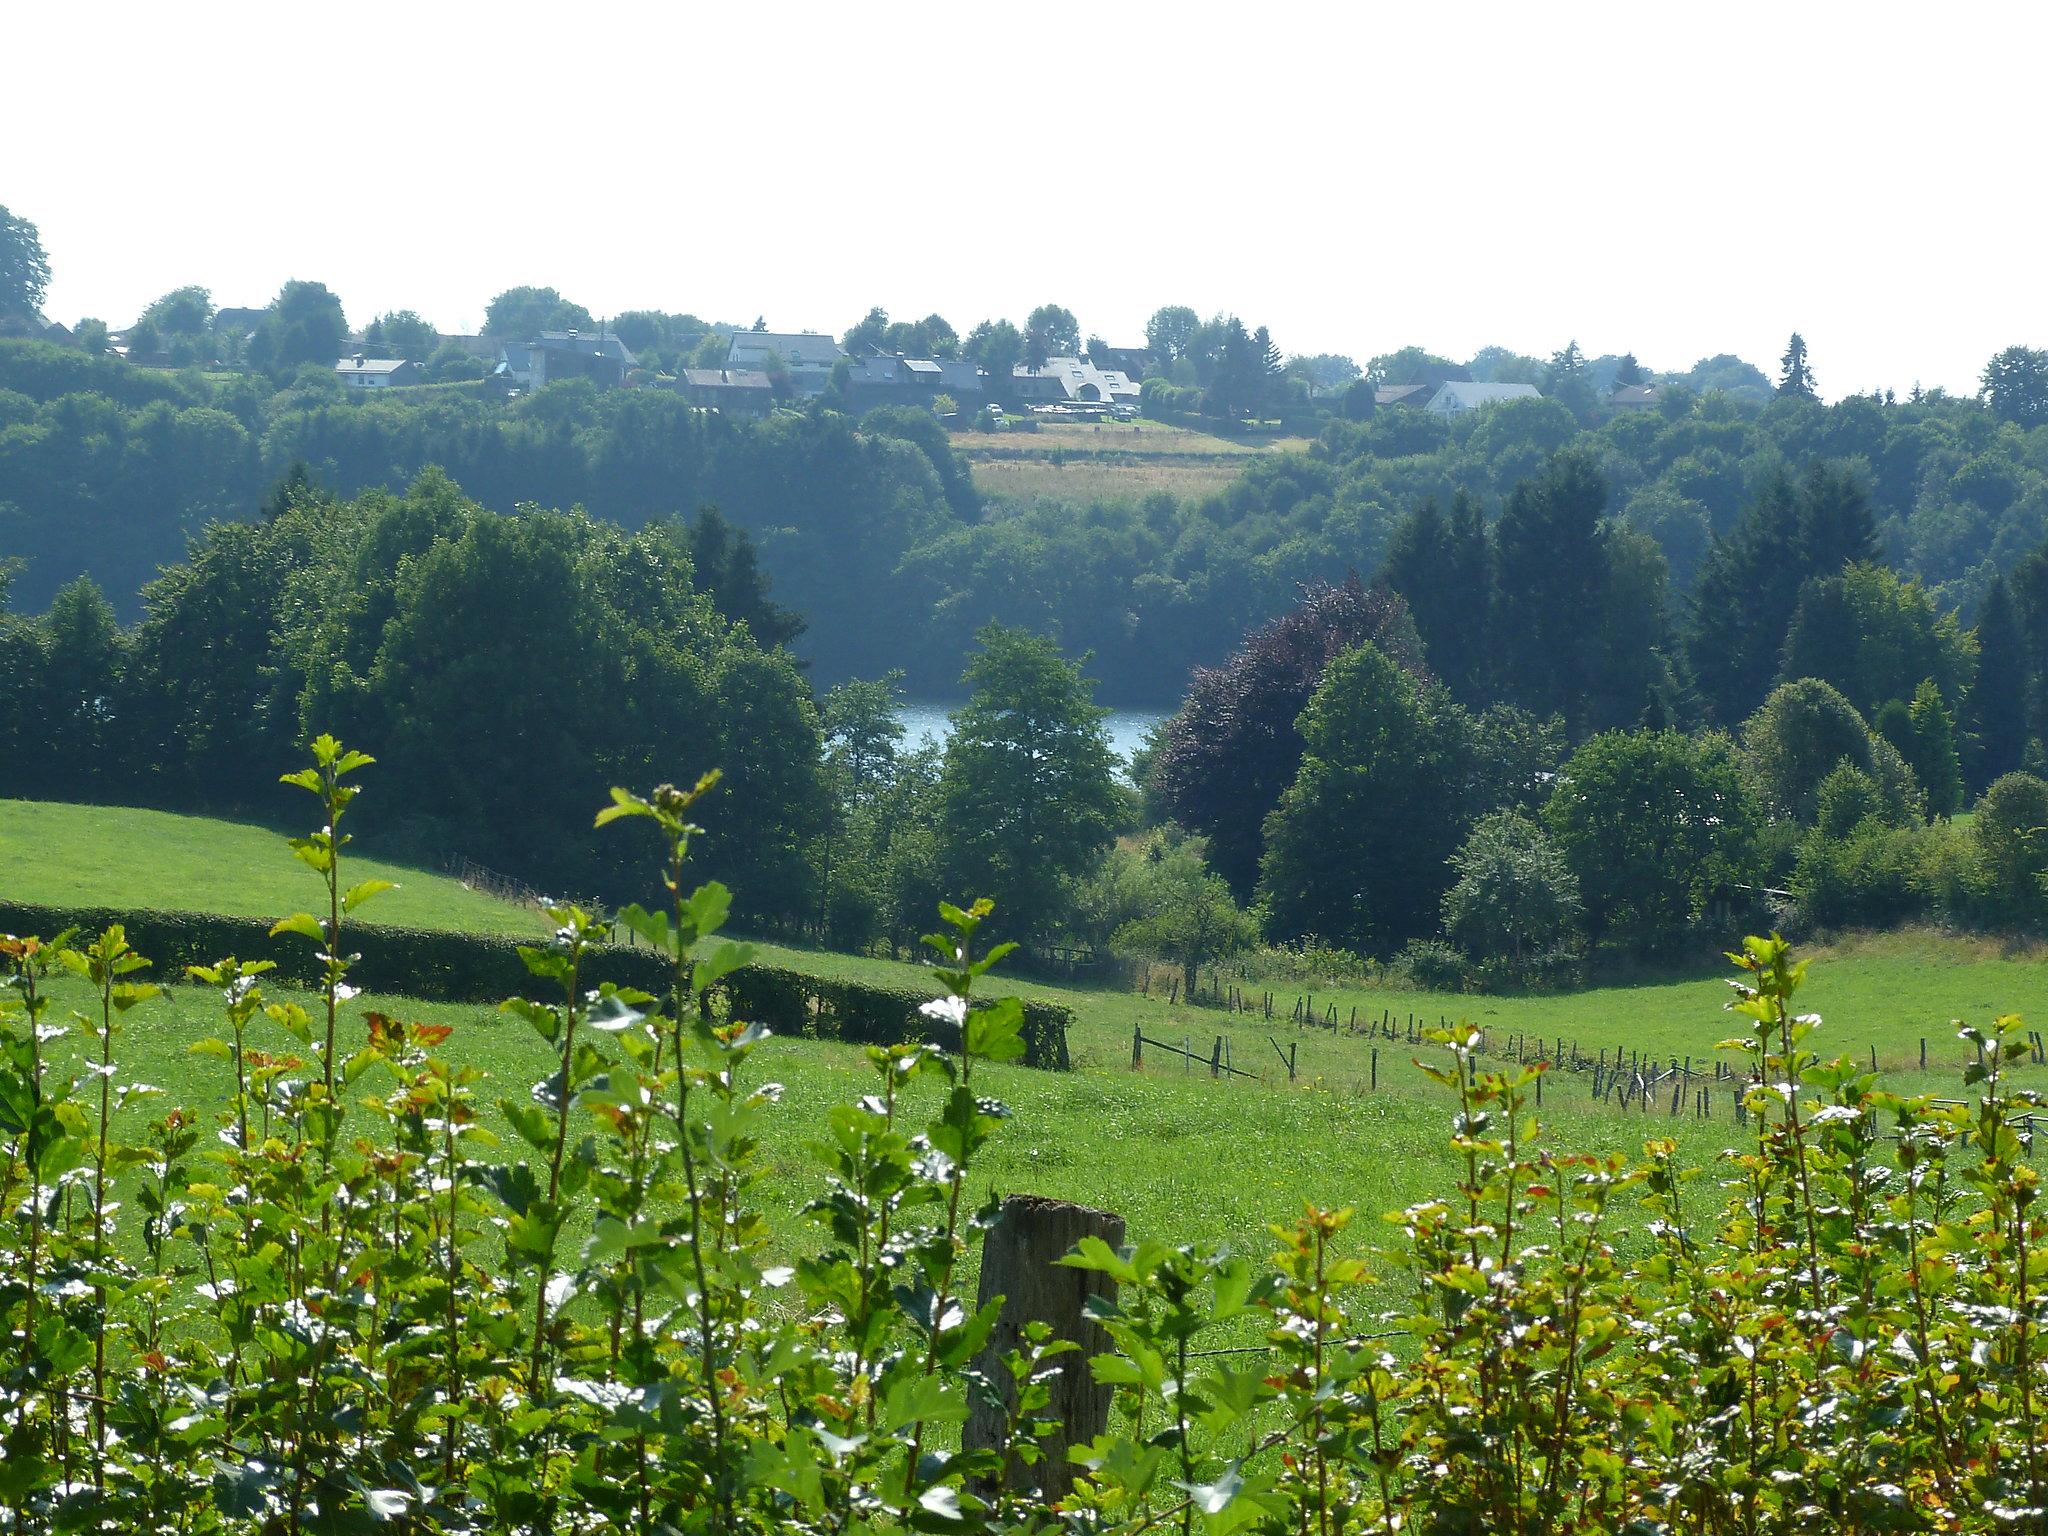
(1433, 966)
(1515, 900)
(2010, 831)
(1847, 798)
(443, 966)
(1875, 876)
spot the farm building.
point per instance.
(360, 372)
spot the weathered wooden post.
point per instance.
(1375, 1069)
(1020, 1263)
(1216, 1059)
(1137, 1047)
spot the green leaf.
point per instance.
(304, 923)
(209, 1047)
(357, 895)
(995, 1033)
(914, 1399)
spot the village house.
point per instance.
(360, 372)
(806, 357)
(1635, 397)
(1404, 394)
(730, 392)
(556, 355)
(918, 381)
(1072, 381)
(1454, 399)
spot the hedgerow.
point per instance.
(326, 1302)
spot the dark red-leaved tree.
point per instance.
(1232, 749)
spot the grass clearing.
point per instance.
(120, 857)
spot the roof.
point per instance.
(589, 346)
(958, 373)
(1400, 394)
(1635, 394)
(726, 378)
(924, 367)
(800, 349)
(1072, 373)
(1466, 397)
(370, 365)
(877, 368)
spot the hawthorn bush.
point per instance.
(325, 1302)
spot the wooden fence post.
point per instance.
(1019, 1262)
(1216, 1059)
(1137, 1046)
(1375, 1068)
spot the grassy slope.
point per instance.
(94, 855)
(1179, 1154)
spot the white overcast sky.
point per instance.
(1678, 179)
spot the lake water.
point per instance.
(923, 722)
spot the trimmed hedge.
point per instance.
(443, 966)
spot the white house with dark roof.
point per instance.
(1454, 399)
(360, 372)
(1072, 381)
(806, 356)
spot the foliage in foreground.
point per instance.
(348, 1309)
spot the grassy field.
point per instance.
(1085, 461)
(1178, 1153)
(95, 855)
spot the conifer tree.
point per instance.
(1935, 761)
(1796, 376)
(1997, 706)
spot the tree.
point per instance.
(402, 333)
(1356, 850)
(1516, 899)
(1875, 637)
(867, 337)
(1550, 579)
(1171, 332)
(1795, 377)
(2010, 833)
(1325, 373)
(1934, 759)
(1027, 797)
(184, 311)
(1799, 735)
(304, 324)
(1628, 371)
(997, 346)
(1050, 331)
(520, 314)
(1653, 824)
(1749, 582)
(1190, 919)
(2016, 384)
(1569, 381)
(1233, 747)
(83, 657)
(91, 336)
(725, 566)
(1443, 567)
(1997, 705)
(24, 269)
(1413, 365)
(862, 734)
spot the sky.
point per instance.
(1672, 179)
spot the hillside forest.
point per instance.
(1483, 695)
